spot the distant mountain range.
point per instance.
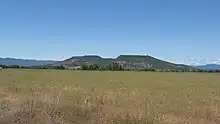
(24, 62)
(208, 67)
(127, 62)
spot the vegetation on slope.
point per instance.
(130, 61)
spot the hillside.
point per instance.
(24, 62)
(87, 59)
(127, 62)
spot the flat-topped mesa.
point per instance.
(85, 57)
(132, 57)
(128, 61)
(91, 57)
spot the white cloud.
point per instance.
(197, 61)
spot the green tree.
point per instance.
(110, 67)
(3, 66)
(14, 66)
(84, 67)
(60, 67)
(120, 68)
(90, 67)
(115, 67)
(95, 67)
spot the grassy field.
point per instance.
(80, 97)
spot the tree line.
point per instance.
(111, 67)
(31, 67)
(117, 67)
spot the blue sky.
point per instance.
(182, 31)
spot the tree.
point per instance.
(90, 67)
(84, 67)
(115, 67)
(103, 68)
(60, 67)
(95, 67)
(110, 67)
(120, 68)
(148, 69)
(3, 66)
(14, 66)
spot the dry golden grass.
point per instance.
(80, 97)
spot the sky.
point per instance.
(181, 31)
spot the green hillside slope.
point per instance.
(127, 62)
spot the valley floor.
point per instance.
(82, 97)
